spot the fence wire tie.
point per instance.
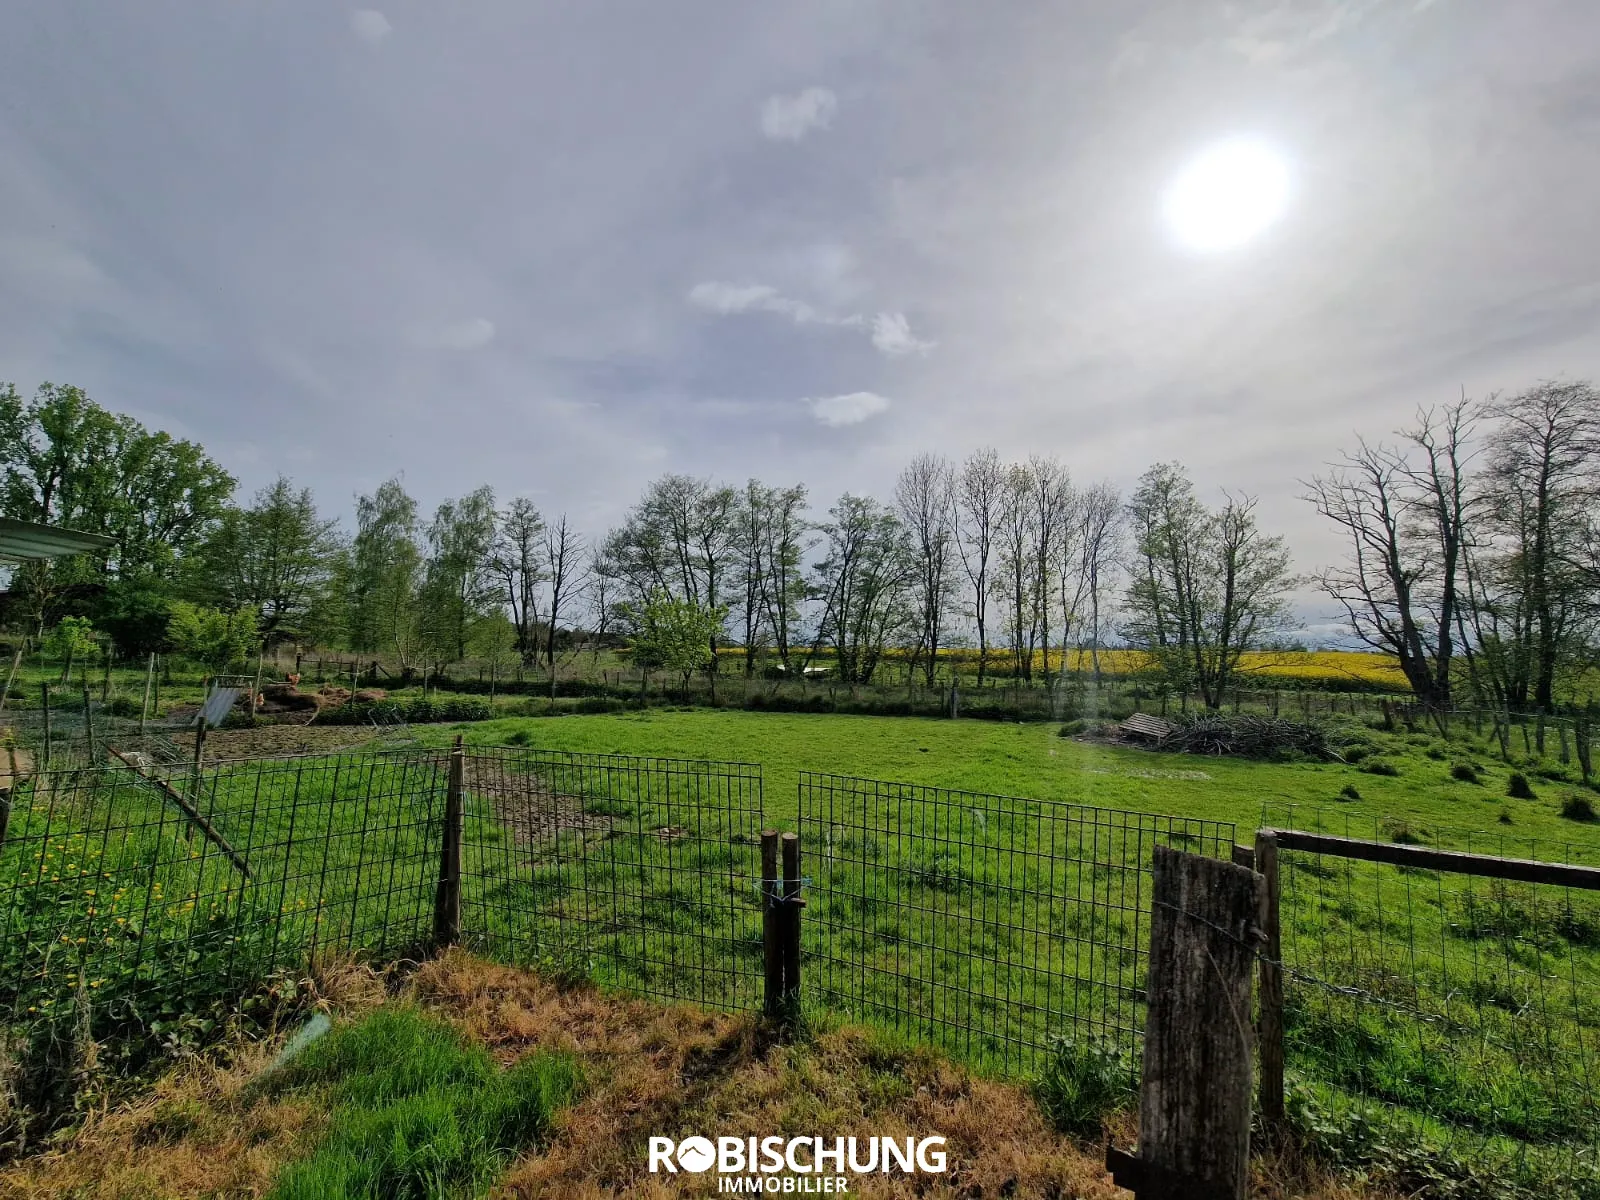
(1256, 934)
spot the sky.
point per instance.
(565, 248)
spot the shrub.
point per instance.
(1348, 792)
(120, 706)
(1435, 753)
(1073, 728)
(1577, 808)
(1380, 766)
(1356, 751)
(1084, 1080)
(1464, 773)
(1518, 787)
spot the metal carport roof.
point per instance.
(23, 541)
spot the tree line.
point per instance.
(1473, 538)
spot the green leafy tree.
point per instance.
(71, 641)
(458, 587)
(383, 576)
(275, 557)
(212, 636)
(675, 635)
(66, 461)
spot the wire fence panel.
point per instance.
(987, 924)
(141, 898)
(641, 873)
(1460, 1011)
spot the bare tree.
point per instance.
(1406, 514)
(783, 593)
(1016, 585)
(1051, 499)
(1088, 559)
(977, 515)
(517, 562)
(563, 556)
(863, 582)
(1543, 480)
(1212, 587)
(925, 499)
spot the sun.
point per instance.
(1226, 195)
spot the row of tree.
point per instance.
(1474, 557)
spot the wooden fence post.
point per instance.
(16, 661)
(771, 941)
(792, 904)
(447, 895)
(144, 708)
(1195, 1094)
(88, 723)
(44, 697)
(1271, 994)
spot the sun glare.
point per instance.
(1227, 195)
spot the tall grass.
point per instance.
(419, 1113)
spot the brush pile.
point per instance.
(1244, 735)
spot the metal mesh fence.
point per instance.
(641, 873)
(986, 924)
(1458, 1011)
(168, 897)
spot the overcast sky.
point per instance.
(563, 248)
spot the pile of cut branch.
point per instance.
(1244, 735)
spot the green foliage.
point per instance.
(1084, 1080)
(1349, 792)
(419, 1113)
(1518, 787)
(414, 712)
(1380, 766)
(1465, 773)
(210, 636)
(675, 635)
(72, 639)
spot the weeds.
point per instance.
(1084, 1080)
(1518, 787)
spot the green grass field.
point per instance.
(1032, 761)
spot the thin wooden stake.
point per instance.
(144, 708)
(772, 949)
(792, 904)
(16, 661)
(447, 895)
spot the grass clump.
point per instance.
(418, 1112)
(1380, 766)
(1084, 1080)
(1518, 787)
(1465, 773)
(1578, 808)
(1349, 792)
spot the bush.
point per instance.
(1380, 766)
(1073, 728)
(1356, 751)
(1464, 773)
(1435, 753)
(1083, 1081)
(120, 706)
(1348, 792)
(1577, 808)
(1518, 787)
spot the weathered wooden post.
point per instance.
(792, 904)
(771, 939)
(44, 698)
(144, 707)
(1270, 1031)
(255, 687)
(105, 678)
(16, 661)
(88, 724)
(1195, 1094)
(447, 895)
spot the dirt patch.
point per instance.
(527, 806)
(276, 741)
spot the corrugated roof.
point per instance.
(23, 541)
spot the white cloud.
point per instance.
(849, 409)
(370, 25)
(467, 335)
(790, 118)
(891, 333)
